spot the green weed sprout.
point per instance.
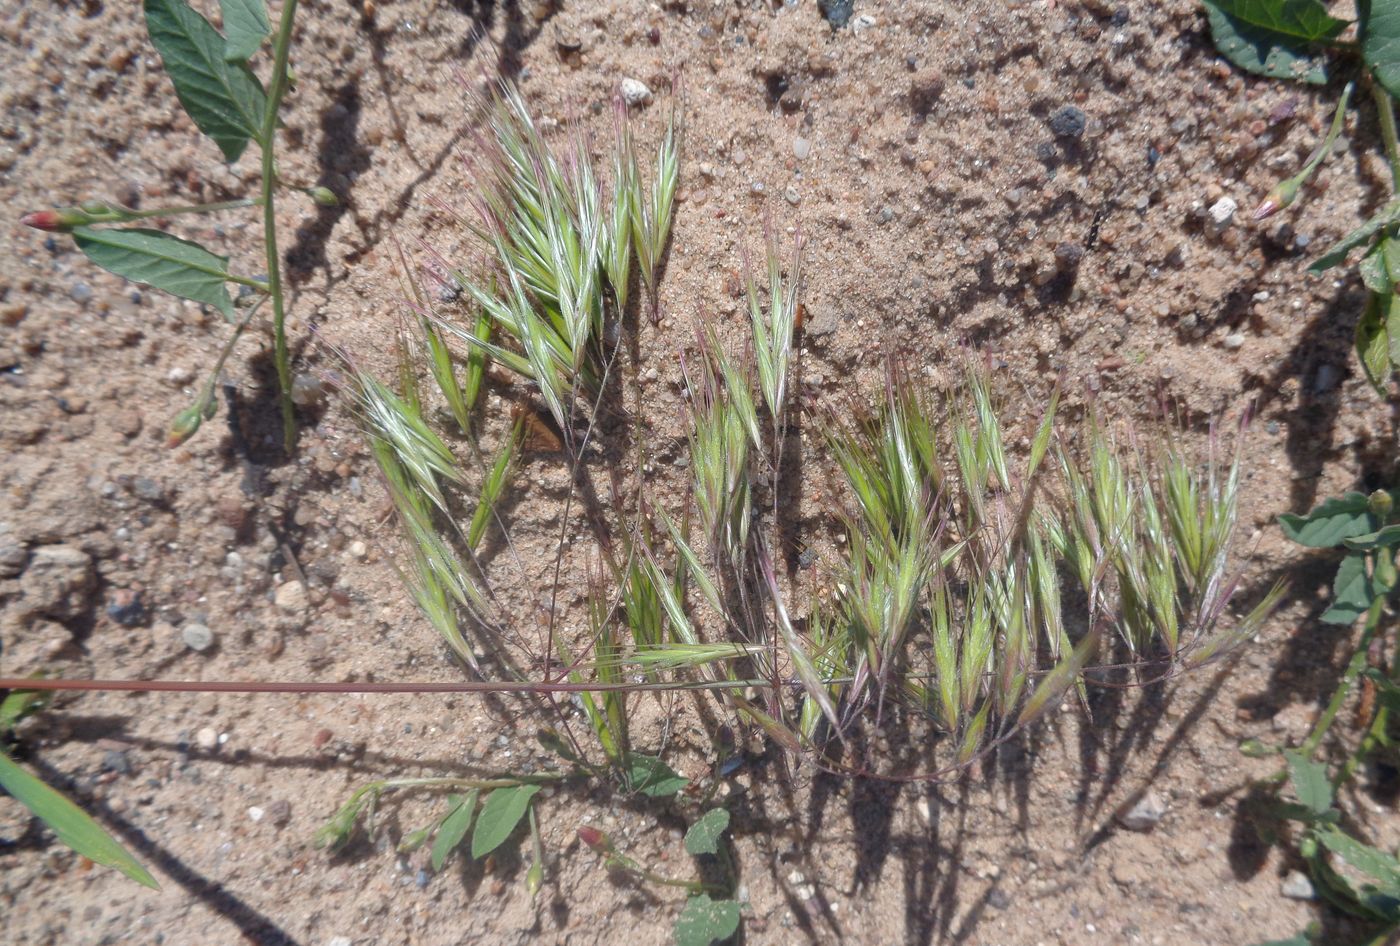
(220, 92)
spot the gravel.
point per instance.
(1068, 121)
(197, 637)
(1297, 886)
(1145, 814)
(635, 92)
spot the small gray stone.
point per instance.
(792, 196)
(81, 293)
(1297, 886)
(801, 148)
(1234, 341)
(886, 215)
(12, 559)
(116, 761)
(1144, 815)
(148, 489)
(1067, 121)
(207, 738)
(197, 637)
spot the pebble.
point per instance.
(358, 549)
(197, 637)
(1144, 815)
(1233, 341)
(837, 12)
(179, 376)
(12, 560)
(1297, 886)
(291, 597)
(886, 215)
(801, 148)
(148, 489)
(635, 92)
(279, 812)
(308, 390)
(81, 293)
(792, 196)
(1223, 211)
(116, 761)
(863, 22)
(58, 581)
(207, 738)
(706, 169)
(255, 814)
(1068, 121)
(126, 608)
(339, 941)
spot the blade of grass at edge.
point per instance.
(70, 823)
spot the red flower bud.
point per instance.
(595, 839)
(50, 220)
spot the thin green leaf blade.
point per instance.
(502, 812)
(453, 830)
(705, 921)
(1381, 538)
(703, 836)
(179, 267)
(1336, 254)
(70, 823)
(224, 99)
(246, 25)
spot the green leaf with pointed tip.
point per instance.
(1275, 38)
(1375, 276)
(1380, 41)
(1336, 254)
(1378, 865)
(179, 267)
(245, 27)
(1381, 538)
(1352, 591)
(1309, 780)
(652, 777)
(1336, 520)
(502, 812)
(72, 825)
(1373, 342)
(454, 828)
(224, 99)
(705, 921)
(703, 836)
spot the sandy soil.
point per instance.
(914, 150)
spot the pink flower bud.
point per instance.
(51, 220)
(595, 839)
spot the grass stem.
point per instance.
(277, 87)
